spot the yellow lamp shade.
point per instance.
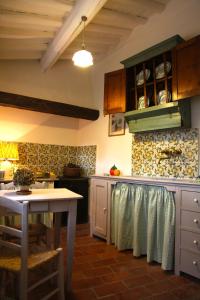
(9, 151)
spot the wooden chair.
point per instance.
(15, 256)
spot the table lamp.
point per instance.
(8, 154)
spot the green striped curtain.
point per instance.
(143, 219)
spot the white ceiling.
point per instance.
(48, 30)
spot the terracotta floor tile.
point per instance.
(77, 266)
(160, 287)
(97, 271)
(77, 275)
(131, 278)
(101, 272)
(179, 280)
(87, 258)
(108, 278)
(135, 272)
(110, 289)
(191, 292)
(160, 274)
(163, 296)
(104, 262)
(112, 297)
(83, 295)
(138, 281)
(137, 293)
(86, 283)
(117, 268)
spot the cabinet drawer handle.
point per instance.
(194, 262)
(195, 242)
(195, 221)
(105, 210)
(195, 200)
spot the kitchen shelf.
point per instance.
(169, 115)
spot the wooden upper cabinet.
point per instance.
(186, 80)
(114, 92)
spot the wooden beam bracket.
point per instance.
(46, 106)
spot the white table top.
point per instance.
(41, 194)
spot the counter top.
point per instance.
(152, 180)
(36, 179)
(46, 179)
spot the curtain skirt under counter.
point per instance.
(143, 219)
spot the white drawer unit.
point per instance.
(190, 241)
(190, 263)
(190, 220)
(189, 229)
(190, 201)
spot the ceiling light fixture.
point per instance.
(83, 58)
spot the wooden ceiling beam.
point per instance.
(93, 38)
(24, 44)
(141, 8)
(111, 17)
(107, 30)
(46, 106)
(20, 54)
(32, 22)
(70, 29)
(41, 7)
(153, 5)
(92, 46)
(24, 33)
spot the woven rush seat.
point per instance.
(12, 263)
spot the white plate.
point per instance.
(141, 102)
(163, 97)
(160, 69)
(140, 76)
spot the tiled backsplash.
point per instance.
(46, 157)
(148, 159)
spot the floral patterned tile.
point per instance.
(52, 158)
(148, 159)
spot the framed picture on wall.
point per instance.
(116, 124)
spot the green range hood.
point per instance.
(175, 114)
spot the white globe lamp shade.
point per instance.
(82, 58)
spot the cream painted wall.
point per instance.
(180, 17)
(63, 83)
(27, 126)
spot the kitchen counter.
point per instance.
(40, 179)
(47, 179)
(150, 180)
(186, 193)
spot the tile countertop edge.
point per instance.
(37, 179)
(151, 180)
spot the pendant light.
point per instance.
(83, 58)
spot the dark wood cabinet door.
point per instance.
(114, 92)
(186, 80)
(79, 185)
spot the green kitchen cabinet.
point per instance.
(153, 81)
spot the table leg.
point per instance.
(71, 230)
(57, 225)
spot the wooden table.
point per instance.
(53, 200)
